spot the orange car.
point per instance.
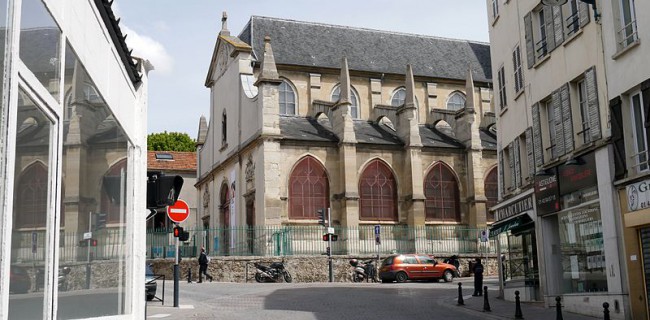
(403, 267)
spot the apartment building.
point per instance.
(557, 220)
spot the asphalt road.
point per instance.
(322, 301)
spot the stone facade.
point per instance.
(345, 120)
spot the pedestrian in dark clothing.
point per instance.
(478, 278)
(503, 268)
(203, 266)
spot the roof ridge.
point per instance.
(366, 29)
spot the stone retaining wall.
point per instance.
(302, 268)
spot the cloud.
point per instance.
(150, 49)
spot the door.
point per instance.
(429, 269)
(413, 267)
(250, 224)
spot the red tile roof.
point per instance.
(181, 161)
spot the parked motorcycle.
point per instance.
(273, 273)
(63, 278)
(365, 270)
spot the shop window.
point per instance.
(442, 202)
(308, 189)
(377, 193)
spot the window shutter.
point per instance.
(592, 104)
(583, 13)
(556, 104)
(645, 100)
(567, 121)
(537, 137)
(520, 75)
(529, 152)
(501, 176)
(511, 163)
(530, 44)
(618, 141)
(550, 28)
(558, 25)
(517, 163)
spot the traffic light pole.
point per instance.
(329, 245)
(176, 276)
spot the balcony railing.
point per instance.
(627, 35)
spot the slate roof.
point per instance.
(374, 133)
(431, 137)
(182, 161)
(306, 129)
(488, 139)
(322, 45)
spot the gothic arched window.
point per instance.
(354, 107)
(308, 189)
(31, 197)
(491, 192)
(442, 197)
(456, 101)
(112, 185)
(377, 193)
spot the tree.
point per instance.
(170, 141)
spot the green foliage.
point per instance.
(170, 141)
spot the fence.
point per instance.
(308, 240)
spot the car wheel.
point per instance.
(401, 277)
(448, 276)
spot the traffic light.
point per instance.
(100, 220)
(184, 236)
(321, 217)
(327, 236)
(178, 231)
(84, 243)
(162, 190)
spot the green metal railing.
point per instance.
(307, 240)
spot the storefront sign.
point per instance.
(638, 196)
(578, 176)
(547, 194)
(514, 208)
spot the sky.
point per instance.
(178, 38)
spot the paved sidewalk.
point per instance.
(502, 309)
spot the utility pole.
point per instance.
(176, 275)
(329, 243)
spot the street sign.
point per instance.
(377, 229)
(377, 235)
(330, 230)
(88, 235)
(179, 211)
(485, 235)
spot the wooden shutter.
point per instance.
(645, 100)
(583, 13)
(618, 140)
(529, 152)
(558, 127)
(592, 104)
(517, 163)
(501, 175)
(537, 136)
(550, 27)
(530, 44)
(558, 25)
(511, 164)
(567, 120)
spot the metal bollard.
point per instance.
(558, 308)
(518, 314)
(189, 275)
(606, 310)
(461, 302)
(486, 303)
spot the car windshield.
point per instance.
(388, 261)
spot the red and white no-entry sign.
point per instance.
(179, 211)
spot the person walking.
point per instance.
(203, 266)
(478, 278)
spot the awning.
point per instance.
(522, 220)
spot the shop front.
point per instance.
(514, 229)
(635, 205)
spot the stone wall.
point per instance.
(302, 268)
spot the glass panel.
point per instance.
(31, 197)
(3, 116)
(354, 110)
(582, 251)
(93, 246)
(40, 44)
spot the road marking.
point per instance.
(186, 306)
(161, 315)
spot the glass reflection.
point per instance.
(29, 233)
(93, 225)
(40, 44)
